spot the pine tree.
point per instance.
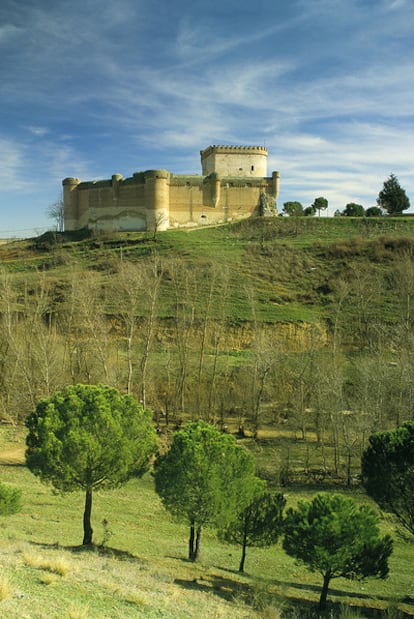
(388, 472)
(392, 197)
(259, 524)
(204, 479)
(334, 537)
(89, 437)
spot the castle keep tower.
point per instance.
(239, 161)
(234, 185)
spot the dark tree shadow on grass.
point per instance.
(101, 551)
(224, 588)
(12, 464)
(250, 593)
(233, 590)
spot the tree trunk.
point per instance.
(191, 542)
(194, 542)
(87, 528)
(348, 468)
(324, 592)
(197, 544)
(243, 557)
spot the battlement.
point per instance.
(230, 150)
(70, 181)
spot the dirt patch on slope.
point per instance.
(12, 455)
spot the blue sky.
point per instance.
(91, 87)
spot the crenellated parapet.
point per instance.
(233, 185)
(246, 150)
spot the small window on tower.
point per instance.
(252, 168)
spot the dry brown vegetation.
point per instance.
(299, 331)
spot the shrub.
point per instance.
(10, 500)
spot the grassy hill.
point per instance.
(290, 265)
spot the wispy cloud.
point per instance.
(12, 157)
(350, 166)
(38, 131)
(396, 4)
(8, 31)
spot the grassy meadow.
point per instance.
(139, 567)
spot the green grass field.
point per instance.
(139, 566)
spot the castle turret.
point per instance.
(275, 184)
(116, 179)
(157, 199)
(70, 203)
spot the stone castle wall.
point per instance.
(235, 187)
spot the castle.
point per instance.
(233, 186)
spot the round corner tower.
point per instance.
(70, 203)
(239, 161)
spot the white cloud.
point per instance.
(349, 167)
(395, 5)
(8, 31)
(12, 165)
(38, 131)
